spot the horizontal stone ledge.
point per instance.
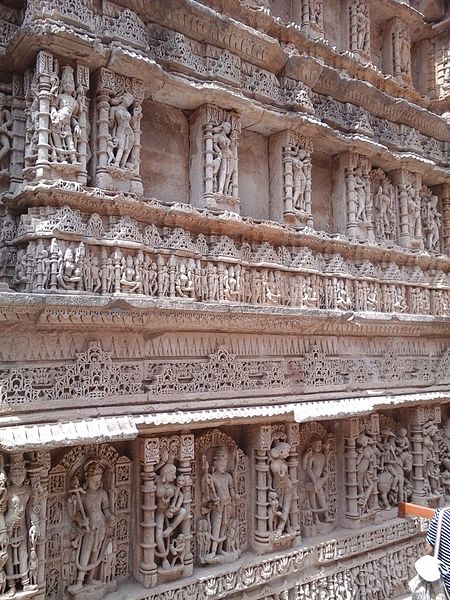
(23, 438)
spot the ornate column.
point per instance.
(44, 74)
(400, 179)
(214, 158)
(444, 192)
(18, 131)
(149, 458)
(423, 426)
(293, 465)
(309, 14)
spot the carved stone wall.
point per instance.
(225, 390)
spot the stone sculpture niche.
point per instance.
(166, 492)
(214, 162)
(397, 51)
(221, 487)
(88, 517)
(359, 28)
(118, 107)
(57, 124)
(361, 496)
(353, 184)
(276, 464)
(290, 164)
(431, 220)
(384, 209)
(22, 530)
(317, 479)
(394, 464)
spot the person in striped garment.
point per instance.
(444, 546)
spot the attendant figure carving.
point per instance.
(122, 124)
(223, 161)
(6, 123)
(281, 487)
(170, 513)
(315, 465)
(65, 109)
(301, 164)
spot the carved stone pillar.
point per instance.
(290, 178)
(408, 186)
(423, 424)
(118, 106)
(214, 158)
(309, 14)
(444, 193)
(18, 131)
(149, 458)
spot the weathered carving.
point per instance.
(119, 110)
(220, 139)
(401, 52)
(57, 128)
(6, 135)
(384, 214)
(431, 220)
(88, 523)
(318, 488)
(297, 180)
(359, 199)
(359, 28)
(220, 499)
(309, 14)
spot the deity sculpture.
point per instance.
(65, 108)
(6, 123)
(414, 212)
(18, 517)
(361, 25)
(281, 486)
(130, 281)
(219, 498)
(93, 523)
(70, 268)
(365, 471)
(431, 222)
(391, 479)
(122, 125)
(361, 200)
(169, 514)
(223, 161)
(315, 465)
(301, 165)
(384, 218)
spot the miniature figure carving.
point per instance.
(315, 465)
(130, 281)
(414, 206)
(70, 268)
(218, 499)
(6, 123)
(361, 26)
(170, 512)
(93, 523)
(64, 116)
(282, 487)
(361, 200)
(223, 162)
(122, 125)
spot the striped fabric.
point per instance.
(444, 544)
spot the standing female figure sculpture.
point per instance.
(121, 124)
(223, 163)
